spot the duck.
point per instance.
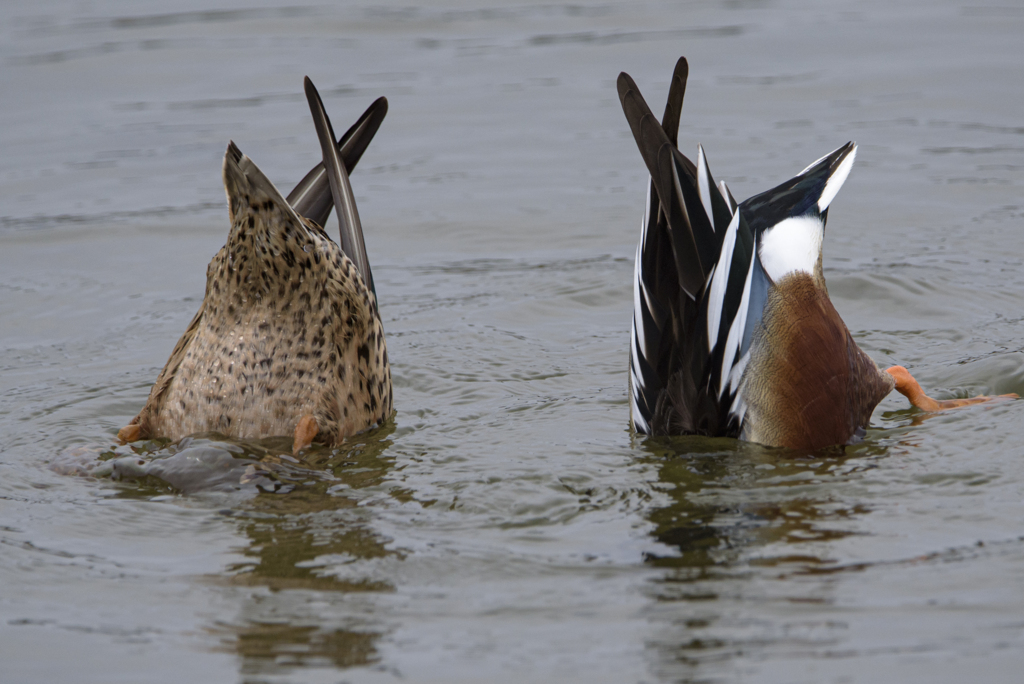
(733, 331)
(288, 340)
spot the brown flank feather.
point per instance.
(808, 384)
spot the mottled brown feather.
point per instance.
(287, 329)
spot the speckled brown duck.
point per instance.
(734, 333)
(288, 339)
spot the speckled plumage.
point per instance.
(287, 329)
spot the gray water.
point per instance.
(506, 526)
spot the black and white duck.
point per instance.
(734, 333)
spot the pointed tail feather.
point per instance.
(243, 178)
(715, 200)
(656, 301)
(692, 283)
(809, 192)
(674, 105)
(312, 196)
(662, 311)
(733, 204)
(352, 243)
(663, 162)
(655, 218)
(836, 167)
(655, 290)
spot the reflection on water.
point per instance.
(507, 528)
(298, 538)
(744, 513)
(732, 498)
(277, 648)
(305, 529)
(762, 545)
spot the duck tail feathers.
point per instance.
(672, 175)
(677, 242)
(674, 105)
(724, 189)
(831, 171)
(312, 196)
(809, 193)
(696, 284)
(656, 284)
(243, 179)
(351, 229)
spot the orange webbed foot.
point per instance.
(130, 433)
(305, 431)
(911, 389)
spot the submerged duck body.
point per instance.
(288, 339)
(733, 331)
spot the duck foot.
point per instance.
(130, 433)
(911, 389)
(305, 431)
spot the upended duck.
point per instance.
(734, 333)
(288, 339)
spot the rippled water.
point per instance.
(506, 526)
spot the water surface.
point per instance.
(506, 526)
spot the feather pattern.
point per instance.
(288, 339)
(710, 351)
